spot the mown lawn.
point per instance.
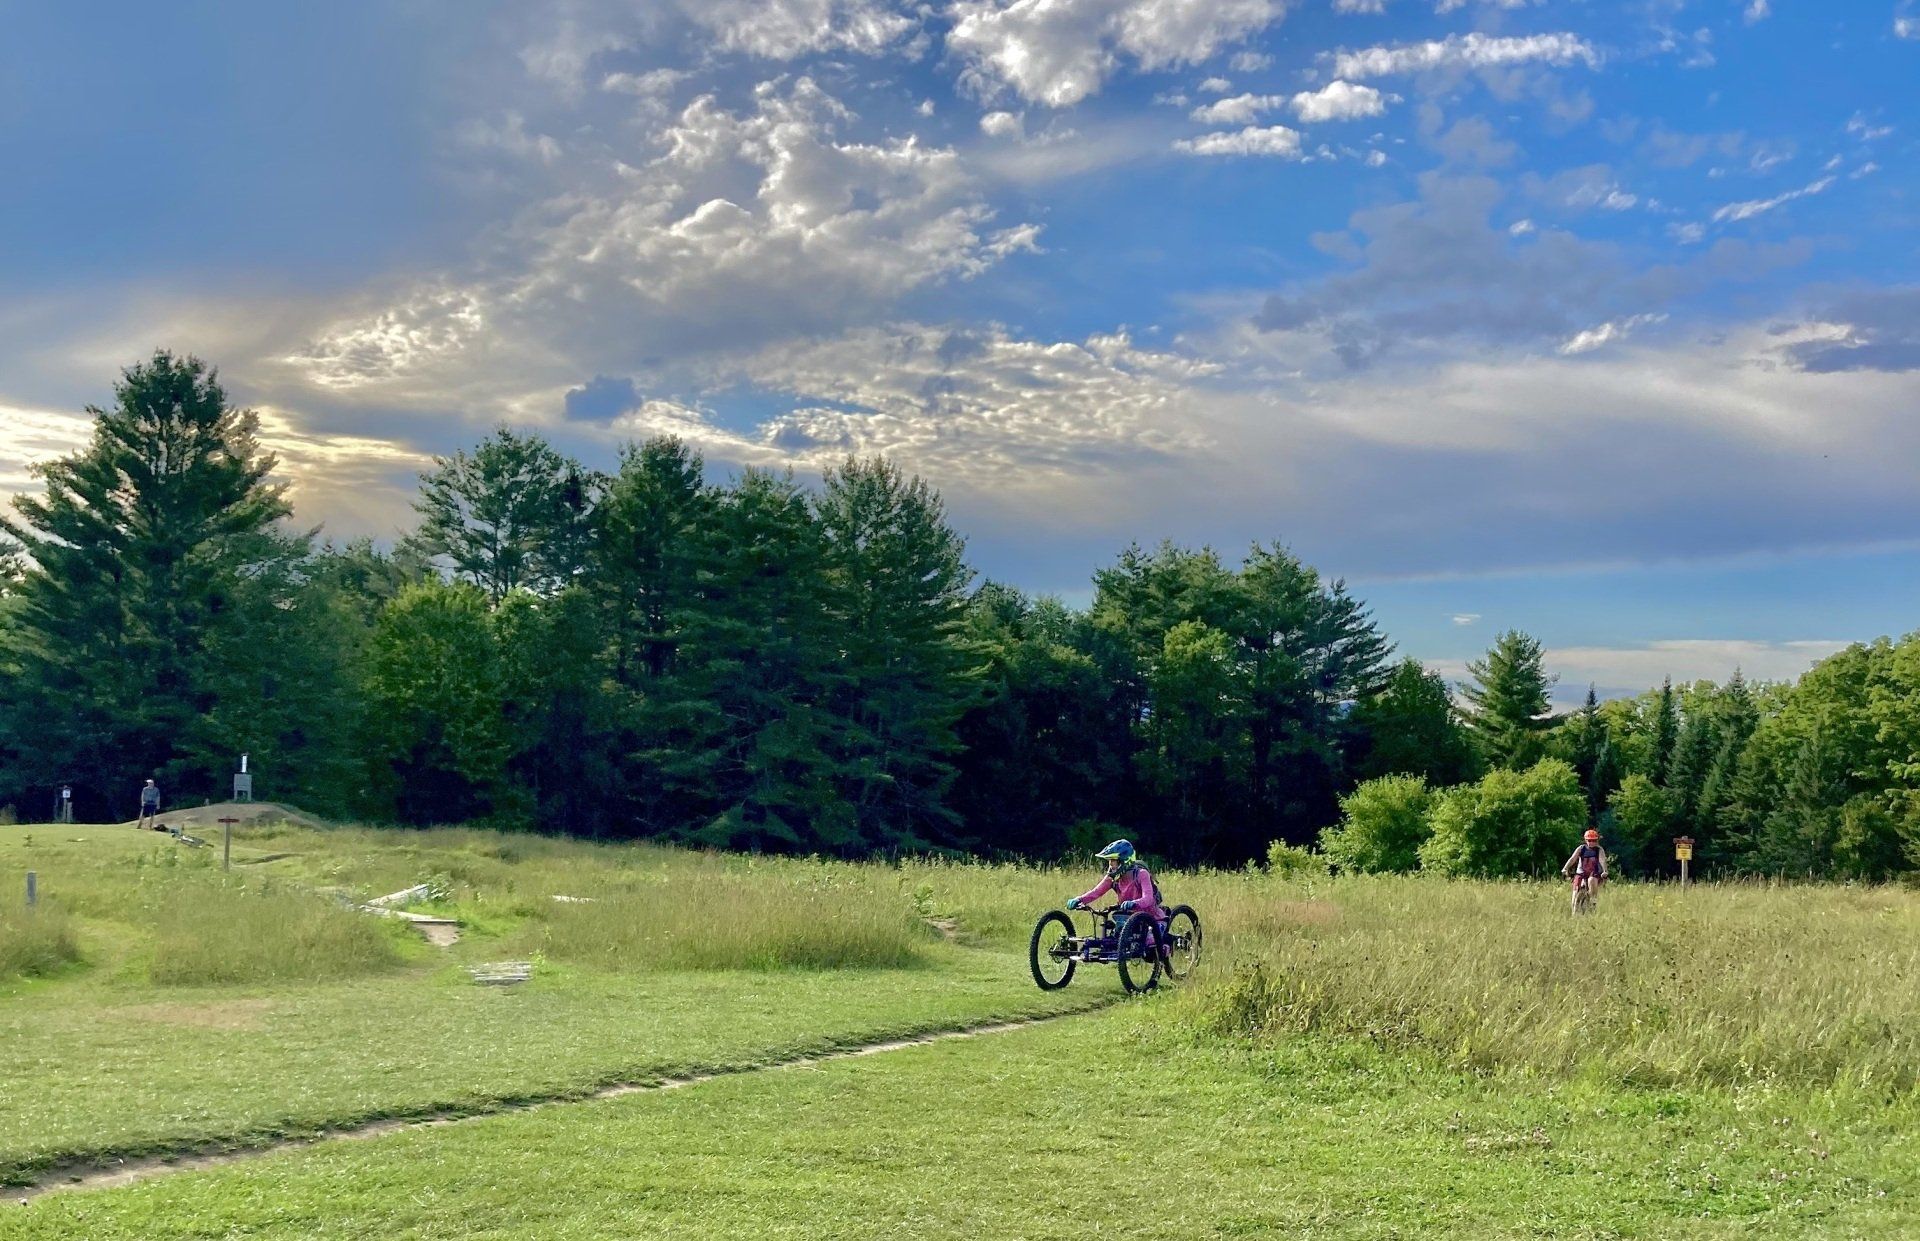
(1105, 1123)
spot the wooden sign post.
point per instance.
(226, 848)
(1683, 852)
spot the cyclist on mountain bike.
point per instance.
(1588, 869)
(1133, 884)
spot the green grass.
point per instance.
(114, 1064)
(1817, 986)
(1365, 1057)
(1095, 1125)
(36, 942)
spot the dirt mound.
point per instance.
(248, 813)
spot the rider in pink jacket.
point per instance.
(1133, 884)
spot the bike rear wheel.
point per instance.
(1183, 932)
(1138, 955)
(1046, 954)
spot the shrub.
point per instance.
(1382, 825)
(1509, 823)
(1290, 860)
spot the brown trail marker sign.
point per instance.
(1683, 853)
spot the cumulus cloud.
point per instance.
(1468, 51)
(1237, 110)
(786, 29)
(1059, 52)
(1338, 101)
(1906, 27)
(1756, 11)
(1270, 140)
(1003, 124)
(746, 224)
(1734, 212)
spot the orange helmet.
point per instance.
(1593, 837)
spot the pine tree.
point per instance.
(511, 515)
(1590, 751)
(136, 549)
(896, 583)
(1508, 696)
(1666, 735)
(746, 737)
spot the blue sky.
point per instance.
(1600, 320)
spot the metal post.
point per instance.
(33, 890)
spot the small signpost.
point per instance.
(226, 848)
(66, 803)
(1683, 853)
(33, 890)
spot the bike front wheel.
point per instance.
(1183, 941)
(1139, 955)
(1049, 955)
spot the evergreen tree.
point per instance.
(1665, 736)
(895, 582)
(1590, 751)
(647, 554)
(747, 739)
(125, 610)
(511, 515)
(1508, 697)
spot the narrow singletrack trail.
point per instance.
(114, 1173)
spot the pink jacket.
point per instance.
(1135, 885)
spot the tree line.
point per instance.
(762, 664)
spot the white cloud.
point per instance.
(1757, 11)
(1360, 6)
(1238, 110)
(1688, 234)
(1466, 618)
(1003, 125)
(1906, 27)
(786, 29)
(1759, 206)
(1275, 140)
(1376, 159)
(1520, 228)
(1058, 52)
(749, 224)
(1468, 51)
(1606, 333)
(1216, 86)
(1338, 101)
(1249, 62)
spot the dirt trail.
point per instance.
(96, 1175)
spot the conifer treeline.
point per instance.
(765, 665)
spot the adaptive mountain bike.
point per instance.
(1136, 947)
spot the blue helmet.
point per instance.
(1120, 852)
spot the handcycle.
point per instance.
(1135, 948)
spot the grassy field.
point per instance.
(1360, 1057)
(1068, 1130)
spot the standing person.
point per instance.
(1588, 870)
(150, 805)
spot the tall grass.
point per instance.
(1724, 984)
(694, 913)
(208, 931)
(35, 942)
